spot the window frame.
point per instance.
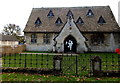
(38, 24)
(58, 19)
(33, 38)
(90, 11)
(50, 14)
(97, 39)
(79, 21)
(101, 18)
(46, 38)
(70, 14)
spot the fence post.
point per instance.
(36, 60)
(57, 61)
(91, 72)
(25, 61)
(96, 66)
(119, 63)
(20, 60)
(4, 59)
(14, 59)
(76, 66)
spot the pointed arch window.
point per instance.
(101, 20)
(38, 22)
(90, 13)
(58, 21)
(80, 21)
(50, 14)
(33, 38)
(69, 14)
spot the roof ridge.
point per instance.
(70, 7)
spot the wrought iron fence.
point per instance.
(28, 60)
(71, 64)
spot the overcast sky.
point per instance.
(18, 11)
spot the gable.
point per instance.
(70, 28)
(90, 23)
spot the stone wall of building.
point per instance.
(107, 46)
(40, 46)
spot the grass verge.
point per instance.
(51, 78)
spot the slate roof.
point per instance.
(7, 38)
(90, 23)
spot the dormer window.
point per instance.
(50, 14)
(79, 21)
(101, 20)
(69, 14)
(90, 13)
(58, 21)
(38, 22)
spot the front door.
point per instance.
(70, 44)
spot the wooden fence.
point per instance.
(12, 49)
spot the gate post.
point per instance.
(57, 61)
(96, 66)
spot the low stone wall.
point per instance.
(12, 49)
(47, 48)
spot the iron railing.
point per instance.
(71, 64)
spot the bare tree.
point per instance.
(11, 29)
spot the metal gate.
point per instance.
(76, 65)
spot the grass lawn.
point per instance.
(51, 78)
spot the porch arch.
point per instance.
(70, 44)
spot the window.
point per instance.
(33, 38)
(50, 14)
(90, 13)
(46, 38)
(79, 21)
(97, 39)
(101, 20)
(38, 22)
(58, 21)
(69, 14)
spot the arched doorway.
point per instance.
(70, 44)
